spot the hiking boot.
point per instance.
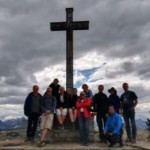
(133, 141)
(41, 144)
(73, 126)
(86, 144)
(121, 145)
(27, 140)
(82, 143)
(128, 140)
(111, 144)
(32, 140)
(61, 127)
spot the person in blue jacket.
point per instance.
(113, 127)
(48, 106)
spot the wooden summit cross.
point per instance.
(69, 26)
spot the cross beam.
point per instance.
(69, 26)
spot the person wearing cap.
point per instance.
(100, 104)
(114, 99)
(82, 105)
(128, 103)
(55, 87)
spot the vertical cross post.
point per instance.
(69, 50)
(69, 26)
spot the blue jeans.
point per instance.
(129, 118)
(84, 128)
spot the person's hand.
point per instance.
(61, 108)
(107, 115)
(121, 114)
(131, 108)
(44, 113)
(94, 113)
(48, 111)
(110, 133)
(120, 111)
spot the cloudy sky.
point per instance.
(115, 49)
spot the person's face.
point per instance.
(74, 91)
(100, 88)
(111, 110)
(35, 89)
(55, 82)
(112, 92)
(125, 86)
(62, 90)
(82, 95)
(49, 92)
(85, 88)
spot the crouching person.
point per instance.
(48, 105)
(113, 127)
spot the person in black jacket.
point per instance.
(62, 105)
(55, 87)
(100, 104)
(72, 106)
(32, 111)
(114, 99)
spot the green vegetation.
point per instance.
(148, 123)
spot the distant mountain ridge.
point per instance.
(141, 124)
(22, 123)
(13, 124)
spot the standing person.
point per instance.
(114, 99)
(32, 111)
(113, 127)
(62, 105)
(55, 87)
(83, 117)
(87, 91)
(72, 107)
(100, 104)
(48, 106)
(128, 103)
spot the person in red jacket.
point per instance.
(83, 114)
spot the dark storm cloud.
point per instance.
(118, 24)
(13, 100)
(26, 42)
(117, 29)
(140, 68)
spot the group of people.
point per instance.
(80, 108)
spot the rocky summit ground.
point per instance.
(19, 144)
(62, 146)
(13, 141)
